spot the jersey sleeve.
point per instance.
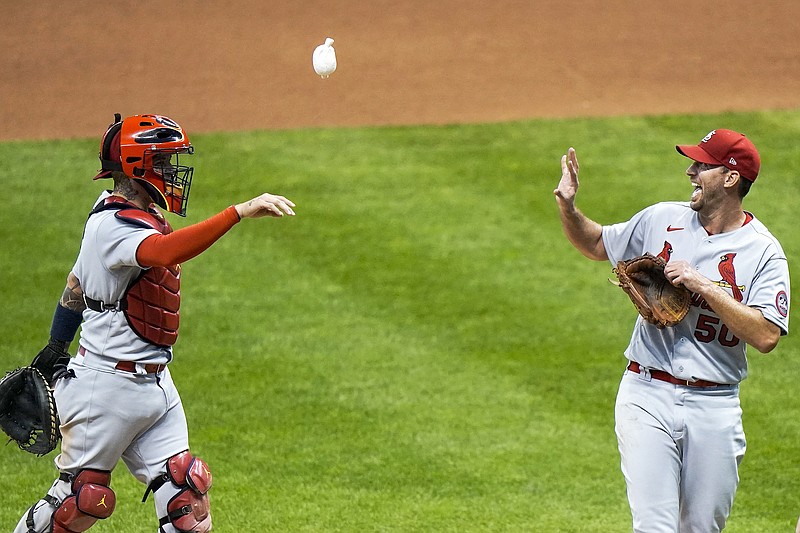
(770, 292)
(117, 241)
(625, 240)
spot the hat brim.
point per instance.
(696, 153)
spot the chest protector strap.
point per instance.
(152, 301)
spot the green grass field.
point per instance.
(420, 349)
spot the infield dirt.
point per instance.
(68, 66)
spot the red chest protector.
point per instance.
(152, 301)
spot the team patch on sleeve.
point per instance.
(782, 303)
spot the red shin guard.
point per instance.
(91, 500)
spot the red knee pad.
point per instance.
(184, 469)
(91, 500)
(189, 510)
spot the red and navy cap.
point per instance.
(728, 148)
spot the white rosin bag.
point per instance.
(324, 59)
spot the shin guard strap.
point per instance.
(188, 511)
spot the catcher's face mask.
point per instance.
(171, 180)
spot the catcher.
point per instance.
(708, 279)
(116, 398)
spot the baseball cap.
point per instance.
(728, 148)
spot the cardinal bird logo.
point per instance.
(665, 252)
(728, 273)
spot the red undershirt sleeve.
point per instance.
(183, 244)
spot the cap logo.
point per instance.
(708, 137)
(732, 161)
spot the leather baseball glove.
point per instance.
(28, 412)
(658, 301)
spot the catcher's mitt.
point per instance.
(657, 300)
(28, 412)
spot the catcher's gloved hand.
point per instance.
(52, 360)
(657, 300)
(28, 412)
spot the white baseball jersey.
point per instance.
(107, 414)
(106, 265)
(748, 262)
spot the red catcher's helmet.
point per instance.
(146, 148)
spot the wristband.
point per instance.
(65, 324)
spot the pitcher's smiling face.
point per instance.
(708, 181)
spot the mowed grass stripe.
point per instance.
(419, 349)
